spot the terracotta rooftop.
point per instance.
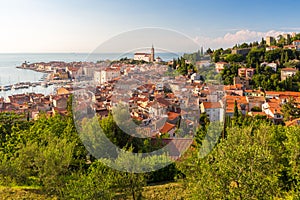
(289, 69)
(286, 93)
(172, 115)
(211, 105)
(163, 101)
(166, 128)
(233, 87)
(224, 63)
(177, 146)
(293, 122)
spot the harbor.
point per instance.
(20, 80)
(26, 85)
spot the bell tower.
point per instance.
(152, 54)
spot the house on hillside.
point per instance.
(60, 102)
(220, 66)
(168, 128)
(271, 48)
(297, 44)
(287, 72)
(242, 104)
(273, 110)
(246, 72)
(214, 110)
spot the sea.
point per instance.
(9, 74)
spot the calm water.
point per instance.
(9, 74)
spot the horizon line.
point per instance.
(84, 52)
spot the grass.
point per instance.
(23, 192)
(165, 191)
(161, 191)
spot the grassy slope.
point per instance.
(167, 191)
(18, 193)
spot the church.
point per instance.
(145, 56)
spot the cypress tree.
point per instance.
(281, 58)
(286, 59)
(236, 110)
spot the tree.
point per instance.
(293, 153)
(263, 42)
(255, 55)
(228, 73)
(182, 66)
(174, 64)
(202, 129)
(244, 45)
(216, 55)
(281, 40)
(98, 183)
(290, 110)
(243, 166)
(273, 55)
(209, 51)
(281, 58)
(193, 57)
(48, 163)
(236, 111)
(234, 58)
(286, 57)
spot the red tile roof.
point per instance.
(167, 127)
(293, 122)
(289, 69)
(172, 115)
(286, 93)
(177, 146)
(211, 105)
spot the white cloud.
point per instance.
(291, 28)
(238, 37)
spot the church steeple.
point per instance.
(152, 54)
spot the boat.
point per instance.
(6, 87)
(44, 84)
(15, 86)
(20, 85)
(26, 85)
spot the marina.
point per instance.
(26, 85)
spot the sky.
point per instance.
(33, 26)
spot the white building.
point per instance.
(270, 48)
(88, 71)
(297, 44)
(272, 65)
(214, 110)
(108, 74)
(220, 66)
(142, 56)
(287, 72)
(272, 110)
(158, 59)
(145, 56)
(195, 77)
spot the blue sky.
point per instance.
(80, 26)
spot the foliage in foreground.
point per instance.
(255, 161)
